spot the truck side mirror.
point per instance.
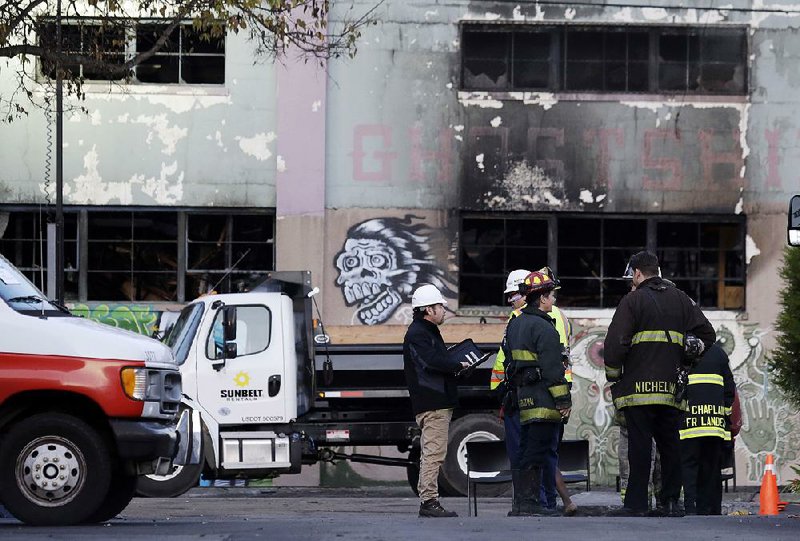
(229, 323)
(229, 352)
(794, 221)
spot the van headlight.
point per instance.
(135, 382)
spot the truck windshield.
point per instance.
(180, 336)
(21, 295)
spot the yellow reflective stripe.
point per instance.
(705, 431)
(562, 325)
(568, 375)
(714, 379)
(613, 372)
(728, 411)
(645, 399)
(557, 391)
(657, 336)
(523, 355)
(541, 414)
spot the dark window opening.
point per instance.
(103, 43)
(704, 258)
(189, 56)
(126, 255)
(23, 241)
(605, 59)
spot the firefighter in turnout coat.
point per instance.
(543, 399)
(704, 431)
(644, 350)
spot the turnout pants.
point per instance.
(647, 423)
(435, 426)
(702, 484)
(538, 441)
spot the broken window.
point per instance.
(23, 241)
(604, 59)
(133, 256)
(227, 253)
(189, 56)
(493, 247)
(706, 259)
(102, 44)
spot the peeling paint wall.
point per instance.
(144, 144)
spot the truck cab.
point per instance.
(84, 409)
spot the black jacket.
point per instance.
(537, 369)
(710, 395)
(644, 343)
(430, 373)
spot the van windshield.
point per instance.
(21, 295)
(180, 336)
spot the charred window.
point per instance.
(227, 253)
(592, 255)
(23, 241)
(589, 253)
(189, 56)
(96, 48)
(702, 61)
(606, 60)
(135, 255)
(636, 59)
(706, 260)
(493, 247)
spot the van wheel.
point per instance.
(55, 469)
(453, 475)
(179, 481)
(120, 494)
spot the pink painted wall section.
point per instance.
(301, 139)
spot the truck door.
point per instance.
(250, 387)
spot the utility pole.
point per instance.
(59, 161)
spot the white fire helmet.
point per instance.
(515, 278)
(427, 295)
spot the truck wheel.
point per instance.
(120, 494)
(453, 475)
(175, 483)
(55, 469)
(412, 472)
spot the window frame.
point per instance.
(219, 314)
(130, 50)
(652, 221)
(82, 242)
(559, 77)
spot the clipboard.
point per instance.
(466, 350)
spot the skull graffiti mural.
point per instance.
(380, 263)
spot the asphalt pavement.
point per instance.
(390, 513)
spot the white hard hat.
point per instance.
(515, 278)
(427, 295)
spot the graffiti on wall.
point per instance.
(139, 318)
(380, 263)
(769, 426)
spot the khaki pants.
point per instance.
(434, 425)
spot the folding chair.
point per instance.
(573, 460)
(487, 463)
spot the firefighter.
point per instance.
(430, 375)
(644, 351)
(704, 431)
(552, 481)
(498, 381)
(536, 372)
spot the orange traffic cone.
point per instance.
(769, 489)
